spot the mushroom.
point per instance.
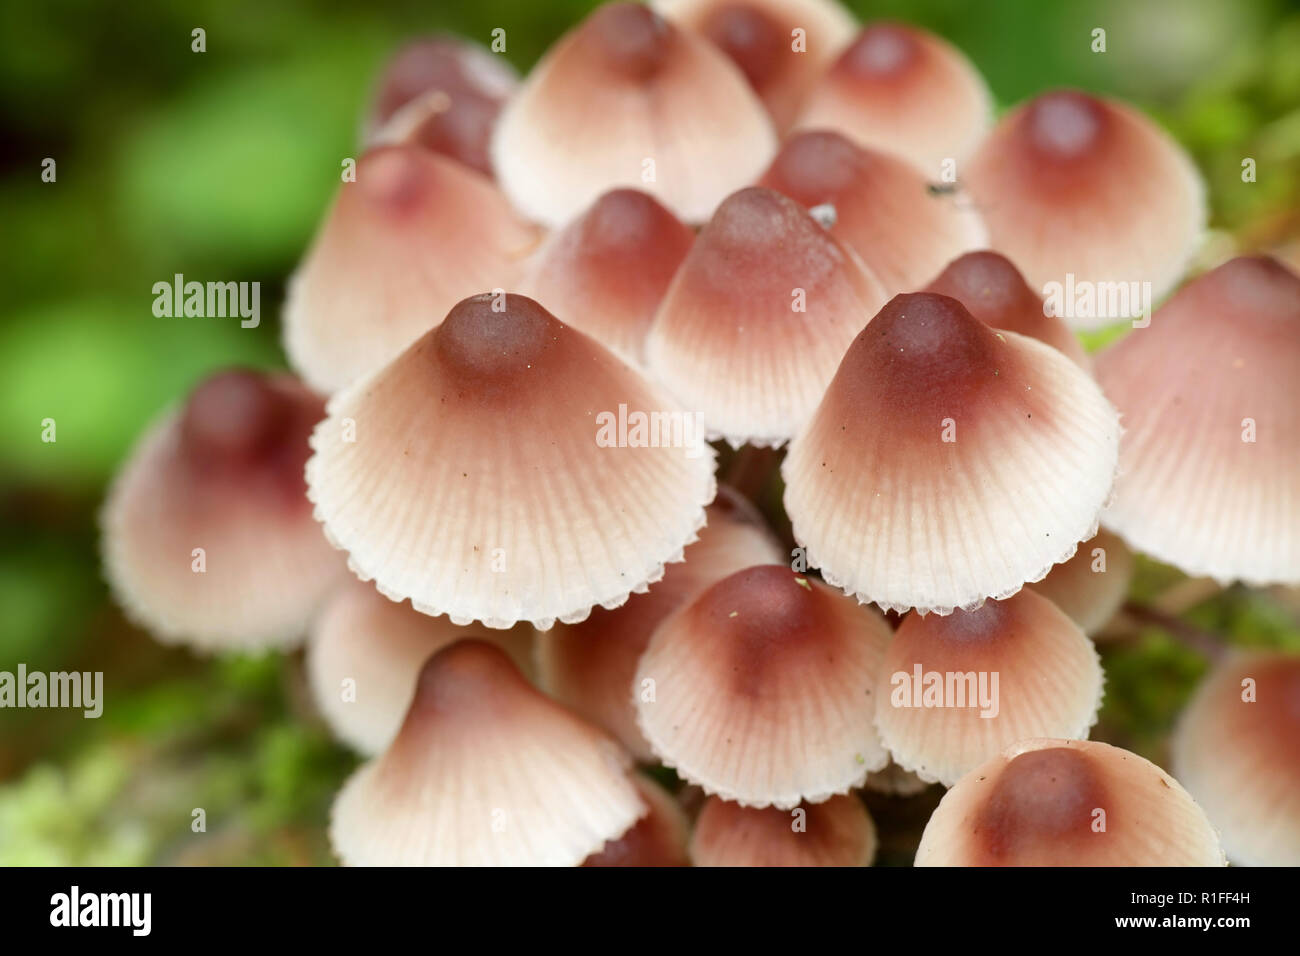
(761, 690)
(606, 272)
(948, 463)
(412, 236)
(782, 46)
(208, 534)
(994, 291)
(590, 666)
(835, 832)
(658, 839)
(485, 771)
(629, 99)
(1212, 426)
(497, 471)
(1068, 803)
(954, 691)
(1090, 195)
(757, 318)
(884, 210)
(364, 653)
(905, 91)
(1092, 585)
(1237, 750)
(442, 93)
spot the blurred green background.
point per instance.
(218, 165)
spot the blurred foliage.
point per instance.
(218, 165)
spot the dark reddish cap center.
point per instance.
(754, 41)
(630, 37)
(236, 416)
(1064, 126)
(883, 51)
(496, 339)
(1042, 799)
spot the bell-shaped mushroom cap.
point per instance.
(629, 99)
(442, 93)
(903, 91)
(208, 533)
(590, 666)
(955, 690)
(757, 318)
(484, 473)
(606, 272)
(1071, 185)
(1068, 803)
(1210, 398)
(948, 462)
(414, 235)
(758, 36)
(836, 832)
(365, 652)
(762, 689)
(658, 839)
(1237, 750)
(485, 771)
(1091, 586)
(994, 291)
(884, 210)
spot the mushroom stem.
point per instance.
(1206, 643)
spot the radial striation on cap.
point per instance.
(1091, 196)
(993, 290)
(606, 272)
(590, 666)
(956, 690)
(629, 99)
(948, 463)
(658, 839)
(760, 38)
(1210, 396)
(884, 209)
(1049, 802)
(904, 91)
(364, 653)
(508, 468)
(757, 318)
(836, 832)
(208, 535)
(485, 771)
(442, 93)
(411, 237)
(762, 689)
(1237, 750)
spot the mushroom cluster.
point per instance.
(755, 233)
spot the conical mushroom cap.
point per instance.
(948, 463)
(412, 236)
(606, 272)
(484, 474)
(1092, 585)
(1068, 803)
(365, 653)
(763, 689)
(836, 832)
(757, 318)
(1210, 399)
(758, 36)
(629, 99)
(208, 534)
(1237, 749)
(484, 772)
(1069, 184)
(590, 666)
(902, 90)
(955, 690)
(884, 208)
